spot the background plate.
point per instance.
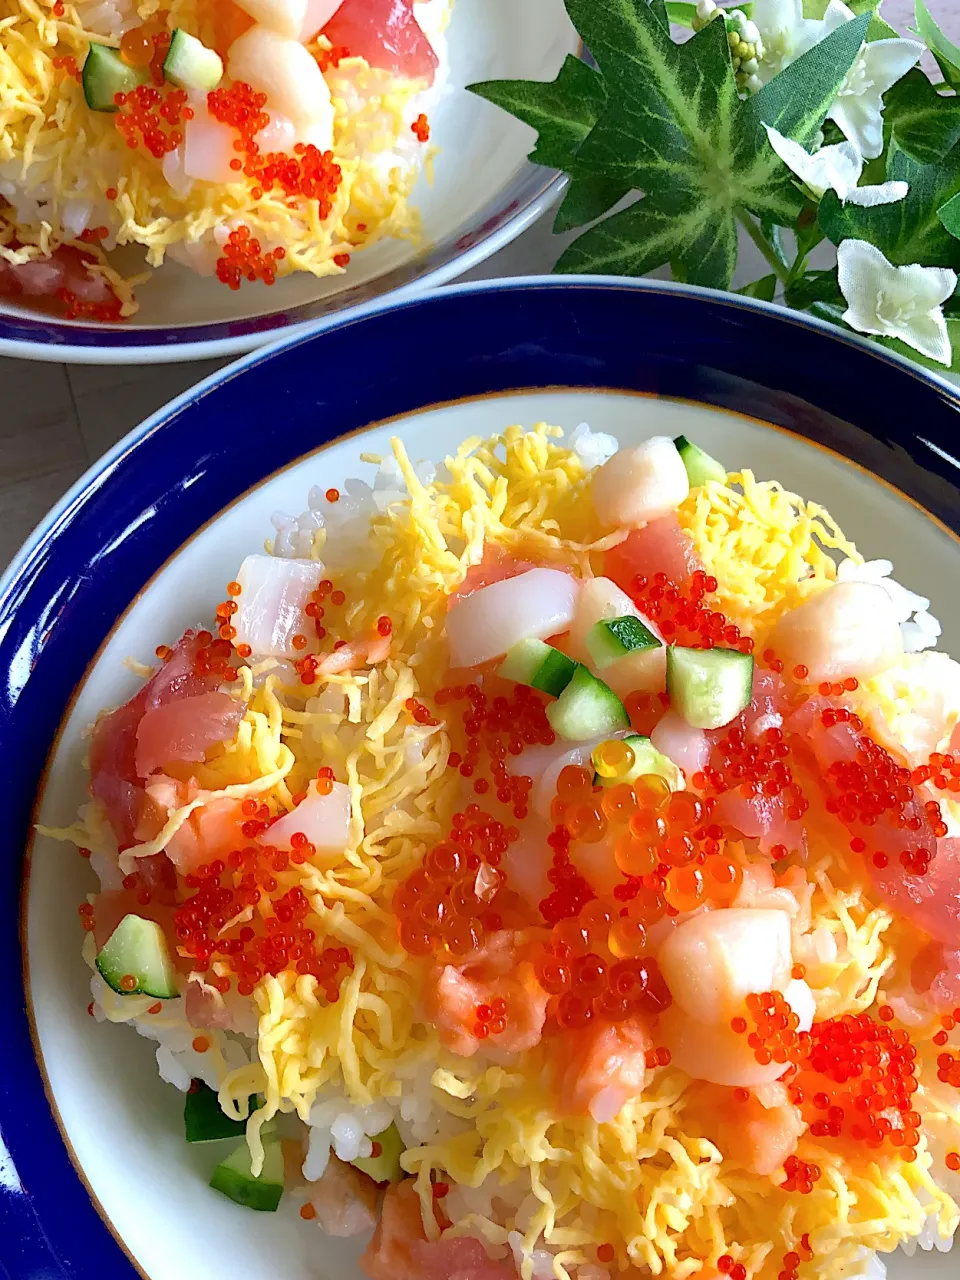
(111, 534)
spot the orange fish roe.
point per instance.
(69, 66)
(952, 1161)
(144, 113)
(269, 943)
(873, 787)
(606, 1253)
(213, 657)
(458, 895)
(328, 58)
(801, 1177)
(587, 975)
(84, 853)
(307, 1212)
(244, 259)
(493, 729)
(755, 766)
(942, 769)
(727, 1267)
(948, 1069)
(421, 128)
(308, 173)
(775, 1038)
(332, 495)
(856, 1081)
(681, 615)
(420, 711)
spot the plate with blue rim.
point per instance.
(95, 1181)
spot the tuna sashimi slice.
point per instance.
(185, 729)
(387, 34)
(661, 547)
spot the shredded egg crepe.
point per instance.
(791, 1120)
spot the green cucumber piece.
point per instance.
(538, 665)
(234, 1177)
(646, 759)
(586, 708)
(203, 1117)
(386, 1166)
(104, 74)
(189, 64)
(700, 466)
(614, 638)
(709, 687)
(137, 949)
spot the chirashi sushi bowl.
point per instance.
(537, 859)
(206, 163)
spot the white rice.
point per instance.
(919, 628)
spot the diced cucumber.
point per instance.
(646, 759)
(203, 1117)
(137, 949)
(386, 1166)
(700, 466)
(234, 1177)
(614, 638)
(104, 74)
(538, 665)
(586, 708)
(189, 64)
(708, 687)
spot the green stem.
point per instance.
(764, 245)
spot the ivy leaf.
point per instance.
(763, 288)
(925, 124)
(949, 215)
(674, 127)
(796, 101)
(910, 230)
(682, 14)
(877, 30)
(563, 111)
(815, 286)
(945, 51)
(587, 198)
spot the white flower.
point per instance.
(838, 167)
(786, 34)
(898, 302)
(878, 65)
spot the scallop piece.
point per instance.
(274, 593)
(286, 17)
(287, 74)
(713, 1053)
(848, 629)
(207, 150)
(713, 961)
(640, 484)
(644, 670)
(680, 742)
(323, 819)
(538, 604)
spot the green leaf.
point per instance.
(925, 124)
(682, 14)
(910, 230)
(763, 288)
(587, 198)
(878, 29)
(949, 215)
(815, 286)
(563, 111)
(797, 100)
(674, 127)
(945, 51)
(643, 237)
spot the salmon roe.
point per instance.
(775, 1038)
(681, 615)
(421, 128)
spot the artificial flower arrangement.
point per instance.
(806, 125)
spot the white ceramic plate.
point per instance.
(484, 193)
(124, 1125)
